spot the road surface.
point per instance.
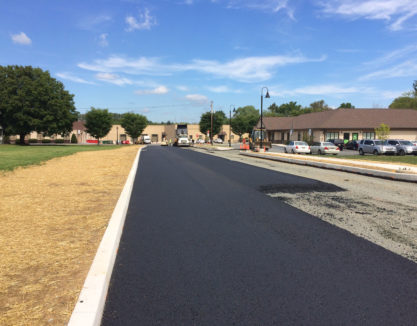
(204, 245)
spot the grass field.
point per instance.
(408, 159)
(13, 156)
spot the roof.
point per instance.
(78, 125)
(345, 119)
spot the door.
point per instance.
(346, 137)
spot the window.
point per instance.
(332, 135)
(369, 142)
(368, 135)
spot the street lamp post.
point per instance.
(211, 128)
(266, 96)
(117, 135)
(230, 124)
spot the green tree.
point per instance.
(318, 106)
(31, 100)
(74, 139)
(134, 124)
(219, 118)
(407, 100)
(382, 132)
(244, 120)
(404, 102)
(346, 105)
(284, 110)
(98, 123)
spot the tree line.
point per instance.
(31, 100)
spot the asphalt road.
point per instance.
(204, 245)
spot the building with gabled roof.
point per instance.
(347, 124)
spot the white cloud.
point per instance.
(102, 40)
(403, 53)
(404, 69)
(396, 12)
(197, 99)
(91, 23)
(397, 63)
(182, 88)
(71, 77)
(141, 66)
(222, 89)
(325, 89)
(21, 38)
(146, 21)
(265, 5)
(157, 90)
(113, 79)
(249, 69)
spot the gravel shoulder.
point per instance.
(381, 211)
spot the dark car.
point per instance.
(353, 144)
(338, 142)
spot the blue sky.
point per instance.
(169, 59)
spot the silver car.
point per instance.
(297, 147)
(324, 148)
(376, 147)
(403, 146)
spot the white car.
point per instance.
(146, 139)
(200, 141)
(324, 148)
(297, 147)
(218, 141)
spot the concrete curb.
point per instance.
(90, 305)
(339, 167)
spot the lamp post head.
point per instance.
(267, 95)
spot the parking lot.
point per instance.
(280, 149)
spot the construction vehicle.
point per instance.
(181, 136)
(255, 140)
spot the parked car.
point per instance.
(164, 143)
(200, 141)
(338, 142)
(376, 147)
(352, 144)
(297, 147)
(145, 139)
(403, 146)
(324, 148)
(218, 141)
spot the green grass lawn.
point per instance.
(13, 156)
(409, 159)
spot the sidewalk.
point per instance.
(394, 171)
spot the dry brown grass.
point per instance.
(52, 218)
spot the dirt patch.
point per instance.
(52, 220)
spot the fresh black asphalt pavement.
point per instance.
(204, 245)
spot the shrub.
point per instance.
(46, 141)
(33, 141)
(74, 139)
(59, 141)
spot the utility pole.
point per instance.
(211, 131)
